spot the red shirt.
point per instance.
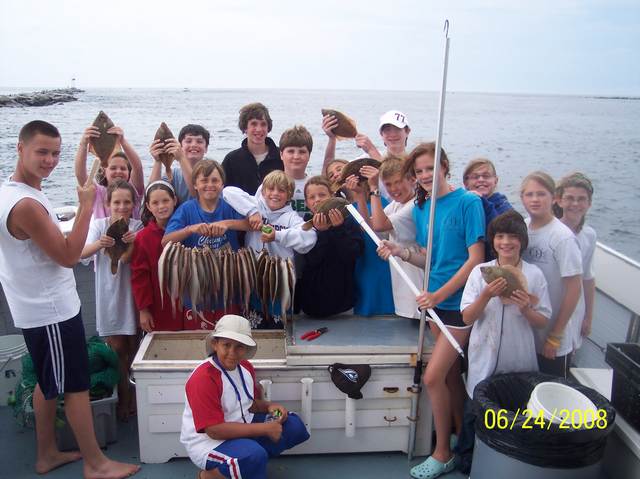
(144, 279)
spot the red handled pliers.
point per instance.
(313, 334)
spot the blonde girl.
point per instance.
(554, 249)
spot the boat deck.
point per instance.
(18, 457)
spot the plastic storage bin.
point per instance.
(12, 348)
(104, 423)
(624, 358)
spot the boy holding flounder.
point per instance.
(504, 299)
(277, 229)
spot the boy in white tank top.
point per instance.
(35, 262)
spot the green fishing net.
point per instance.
(103, 377)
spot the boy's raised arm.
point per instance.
(329, 122)
(29, 220)
(80, 163)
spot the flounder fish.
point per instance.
(337, 203)
(513, 275)
(117, 230)
(346, 126)
(164, 133)
(353, 168)
(104, 145)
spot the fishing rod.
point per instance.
(416, 388)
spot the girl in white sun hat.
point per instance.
(223, 424)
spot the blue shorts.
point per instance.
(236, 458)
(59, 354)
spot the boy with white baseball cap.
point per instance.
(223, 424)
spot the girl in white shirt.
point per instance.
(116, 317)
(554, 249)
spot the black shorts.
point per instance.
(558, 366)
(59, 354)
(451, 318)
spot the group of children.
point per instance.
(260, 197)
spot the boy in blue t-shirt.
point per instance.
(205, 221)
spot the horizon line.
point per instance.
(183, 88)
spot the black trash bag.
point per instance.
(553, 447)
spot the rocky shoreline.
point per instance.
(40, 98)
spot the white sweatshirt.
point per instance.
(290, 237)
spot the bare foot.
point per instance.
(110, 470)
(47, 464)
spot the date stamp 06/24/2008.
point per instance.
(501, 419)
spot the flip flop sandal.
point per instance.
(432, 468)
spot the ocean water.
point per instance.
(519, 133)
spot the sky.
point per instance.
(503, 46)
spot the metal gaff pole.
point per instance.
(417, 376)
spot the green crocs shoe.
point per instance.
(432, 468)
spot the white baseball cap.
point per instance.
(395, 118)
(232, 326)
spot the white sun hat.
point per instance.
(232, 326)
(395, 118)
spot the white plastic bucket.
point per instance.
(12, 348)
(559, 402)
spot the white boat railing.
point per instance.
(618, 277)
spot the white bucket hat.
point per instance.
(232, 326)
(395, 118)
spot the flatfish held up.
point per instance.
(164, 133)
(353, 168)
(346, 126)
(104, 145)
(117, 230)
(337, 203)
(515, 278)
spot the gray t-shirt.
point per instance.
(179, 185)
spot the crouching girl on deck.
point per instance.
(115, 310)
(225, 427)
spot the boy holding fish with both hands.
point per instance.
(277, 228)
(505, 300)
(206, 220)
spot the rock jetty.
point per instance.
(40, 98)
